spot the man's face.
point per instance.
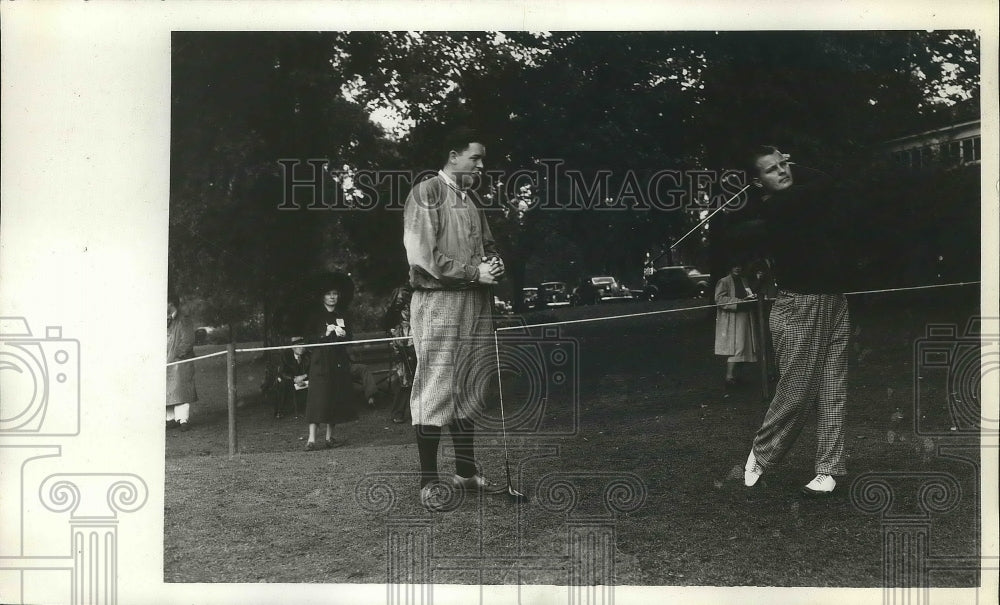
(773, 172)
(468, 165)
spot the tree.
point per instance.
(626, 103)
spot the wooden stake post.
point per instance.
(765, 386)
(231, 391)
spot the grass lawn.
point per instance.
(641, 404)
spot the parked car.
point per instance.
(202, 334)
(553, 294)
(664, 283)
(593, 290)
(696, 274)
(502, 306)
(529, 296)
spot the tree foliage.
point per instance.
(629, 103)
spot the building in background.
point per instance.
(957, 144)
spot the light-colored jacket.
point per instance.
(733, 329)
(445, 236)
(180, 345)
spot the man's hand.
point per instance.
(486, 276)
(497, 268)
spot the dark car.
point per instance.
(553, 294)
(502, 306)
(203, 334)
(664, 283)
(593, 290)
(529, 296)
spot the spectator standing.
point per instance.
(396, 323)
(180, 377)
(734, 325)
(330, 395)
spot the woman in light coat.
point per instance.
(180, 377)
(734, 336)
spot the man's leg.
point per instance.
(462, 436)
(301, 396)
(793, 323)
(832, 395)
(401, 405)
(428, 437)
(363, 376)
(282, 394)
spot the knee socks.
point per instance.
(462, 436)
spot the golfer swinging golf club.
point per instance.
(800, 230)
(446, 237)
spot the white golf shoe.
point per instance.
(473, 483)
(819, 487)
(752, 471)
(437, 497)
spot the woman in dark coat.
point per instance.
(330, 396)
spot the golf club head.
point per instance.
(516, 496)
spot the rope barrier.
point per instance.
(663, 311)
(231, 351)
(961, 283)
(553, 323)
(577, 321)
(180, 361)
(324, 344)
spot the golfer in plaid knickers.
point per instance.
(447, 240)
(809, 322)
(810, 338)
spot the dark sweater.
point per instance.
(805, 231)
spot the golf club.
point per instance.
(707, 218)
(513, 494)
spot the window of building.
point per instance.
(953, 153)
(967, 150)
(926, 155)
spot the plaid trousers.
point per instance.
(810, 333)
(452, 333)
